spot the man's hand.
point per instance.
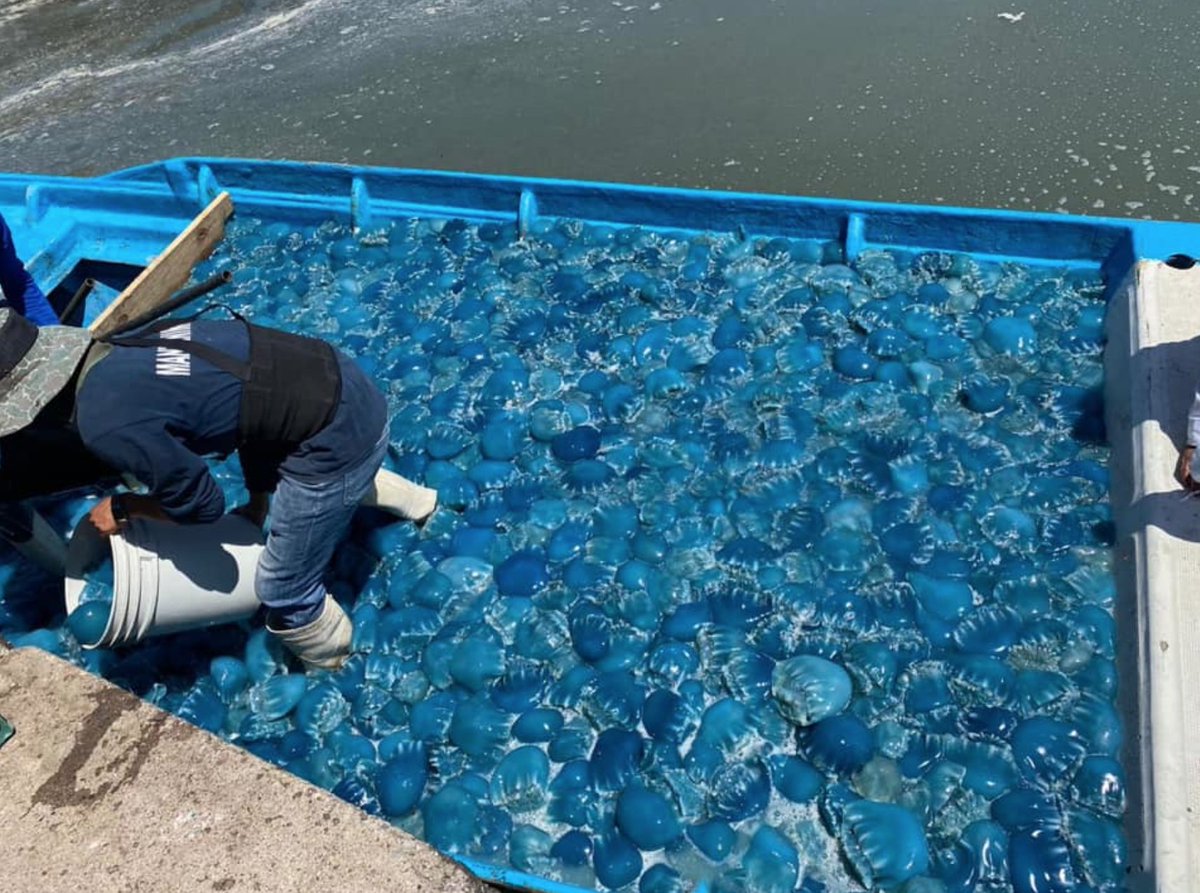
(136, 505)
(102, 518)
(1183, 469)
(256, 508)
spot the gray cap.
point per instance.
(35, 365)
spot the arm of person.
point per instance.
(260, 469)
(108, 517)
(1183, 465)
(21, 292)
(181, 487)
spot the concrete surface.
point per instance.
(1152, 366)
(100, 791)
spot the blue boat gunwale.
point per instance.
(149, 201)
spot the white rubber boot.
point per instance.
(400, 496)
(323, 644)
(44, 547)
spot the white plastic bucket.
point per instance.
(168, 577)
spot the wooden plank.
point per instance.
(170, 270)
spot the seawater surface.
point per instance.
(752, 565)
(1087, 106)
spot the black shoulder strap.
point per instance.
(223, 361)
(162, 324)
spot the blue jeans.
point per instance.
(308, 520)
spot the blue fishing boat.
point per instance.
(785, 543)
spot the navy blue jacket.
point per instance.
(20, 291)
(156, 412)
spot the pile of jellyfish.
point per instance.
(752, 566)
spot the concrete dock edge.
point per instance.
(101, 791)
(1152, 366)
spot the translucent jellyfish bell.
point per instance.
(1046, 750)
(529, 849)
(1099, 784)
(401, 780)
(646, 818)
(807, 689)
(771, 863)
(1040, 859)
(230, 677)
(668, 717)
(450, 818)
(321, 709)
(840, 743)
(616, 860)
(739, 791)
(884, 844)
(89, 621)
(479, 729)
(519, 783)
(1099, 844)
(277, 696)
(523, 573)
(615, 758)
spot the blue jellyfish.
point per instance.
(519, 782)
(646, 818)
(1039, 861)
(230, 677)
(450, 817)
(538, 725)
(1025, 808)
(727, 725)
(493, 827)
(479, 729)
(1046, 750)
(945, 599)
(1099, 784)
(573, 800)
(617, 862)
(477, 660)
(985, 395)
(840, 743)
(321, 709)
(668, 717)
(771, 863)
(808, 688)
(401, 780)
(577, 444)
(615, 759)
(989, 629)
(795, 779)
(739, 791)
(884, 844)
(854, 363)
(277, 696)
(988, 843)
(529, 849)
(573, 849)
(358, 792)
(591, 631)
(89, 621)
(1099, 845)
(1012, 336)
(203, 708)
(614, 698)
(523, 573)
(714, 839)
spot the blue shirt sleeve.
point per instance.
(178, 478)
(20, 291)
